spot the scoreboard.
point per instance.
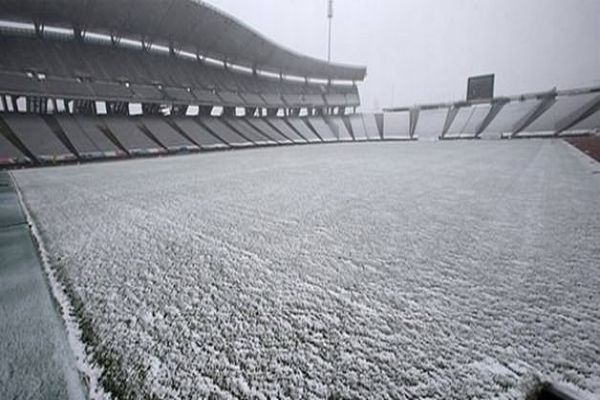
(481, 87)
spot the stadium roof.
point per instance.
(187, 24)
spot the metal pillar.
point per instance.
(545, 104)
(452, 113)
(414, 120)
(330, 18)
(578, 116)
(494, 111)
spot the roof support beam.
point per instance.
(578, 116)
(494, 111)
(545, 104)
(115, 40)
(452, 113)
(414, 120)
(39, 28)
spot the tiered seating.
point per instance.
(467, 121)
(167, 135)
(86, 148)
(302, 128)
(18, 82)
(285, 129)
(66, 63)
(131, 136)
(339, 129)
(262, 126)
(198, 133)
(358, 128)
(430, 124)
(92, 128)
(35, 134)
(256, 136)
(225, 133)
(322, 129)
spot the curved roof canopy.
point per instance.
(187, 24)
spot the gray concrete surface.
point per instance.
(36, 361)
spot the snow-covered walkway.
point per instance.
(35, 359)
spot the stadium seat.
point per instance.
(285, 130)
(302, 128)
(322, 129)
(37, 137)
(197, 132)
(167, 135)
(248, 130)
(261, 125)
(339, 129)
(130, 136)
(225, 133)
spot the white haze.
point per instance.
(420, 51)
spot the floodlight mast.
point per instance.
(330, 17)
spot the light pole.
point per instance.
(330, 17)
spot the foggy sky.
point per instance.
(420, 51)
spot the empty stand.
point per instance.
(358, 127)
(197, 132)
(241, 126)
(84, 145)
(322, 129)
(430, 124)
(262, 126)
(225, 133)
(285, 129)
(166, 134)
(230, 98)
(338, 126)
(92, 127)
(79, 70)
(15, 82)
(511, 114)
(302, 128)
(550, 122)
(467, 121)
(39, 139)
(179, 94)
(111, 90)
(66, 88)
(146, 93)
(130, 136)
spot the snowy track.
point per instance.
(420, 270)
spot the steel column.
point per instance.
(545, 104)
(578, 116)
(452, 113)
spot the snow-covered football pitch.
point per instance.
(386, 270)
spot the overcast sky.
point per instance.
(420, 51)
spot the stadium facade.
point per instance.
(87, 80)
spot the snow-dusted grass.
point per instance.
(409, 270)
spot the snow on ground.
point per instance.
(421, 270)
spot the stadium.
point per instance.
(174, 226)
